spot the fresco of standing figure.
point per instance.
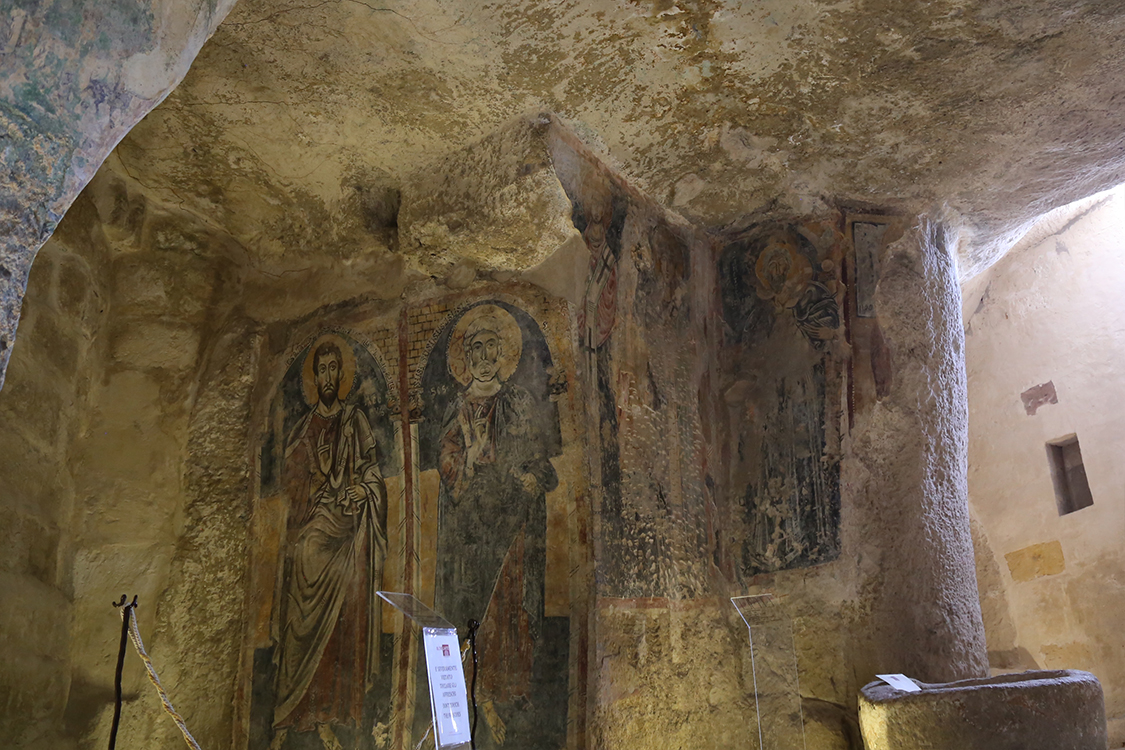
(335, 545)
(495, 473)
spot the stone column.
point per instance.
(917, 575)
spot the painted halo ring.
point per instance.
(347, 369)
(511, 342)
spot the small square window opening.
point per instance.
(1072, 490)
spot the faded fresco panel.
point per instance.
(641, 341)
(782, 367)
(490, 428)
(321, 665)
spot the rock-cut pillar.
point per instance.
(919, 586)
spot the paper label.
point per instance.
(899, 682)
(447, 687)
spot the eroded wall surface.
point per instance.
(750, 435)
(136, 522)
(1045, 351)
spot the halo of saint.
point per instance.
(347, 369)
(496, 319)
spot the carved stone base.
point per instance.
(1051, 710)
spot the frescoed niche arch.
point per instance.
(322, 664)
(490, 429)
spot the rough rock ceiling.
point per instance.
(297, 116)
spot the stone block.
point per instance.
(193, 287)
(54, 344)
(122, 215)
(1038, 560)
(829, 726)
(820, 652)
(30, 546)
(31, 476)
(1062, 655)
(31, 404)
(133, 440)
(35, 618)
(41, 278)
(168, 233)
(155, 345)
(139, 286)
(33, 691)
(73, 288)
(497, 203)
(1039, 710)
(101, 574)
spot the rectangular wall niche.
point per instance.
(1072, 490)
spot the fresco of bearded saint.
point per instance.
(335, 545)
(495, 474)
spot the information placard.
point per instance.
(447, 686)
(899, 682)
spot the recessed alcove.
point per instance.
(1072, 488)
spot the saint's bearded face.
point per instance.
(483, 354)
(328, 377)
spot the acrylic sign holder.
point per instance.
(773, 671)
(449, 706)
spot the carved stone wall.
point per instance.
(44, 409)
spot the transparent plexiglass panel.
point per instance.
(447, 731)
(415, 610)
(778, 715)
